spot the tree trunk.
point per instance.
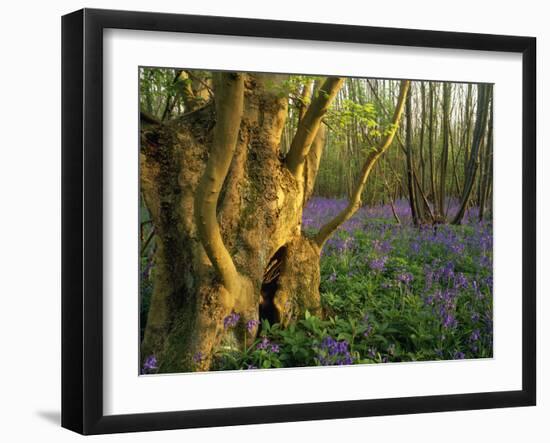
(422, 130)
(484, 93)
(487, 178)
(409, 162)
(227, 213)
(226, 209)
(431, 135)
(445, 151)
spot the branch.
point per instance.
(355, 201)
(309, 125)
(202, 82)
(304, 99)
(483, 99)
(171, 100)
(424, 198)
(229, 108)
(312, 162)
(313, 158)
(146, 243)
(386, 114)
(146, 118)
(392, 199)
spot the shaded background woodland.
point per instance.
(438, 155)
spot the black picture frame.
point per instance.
(82, 219)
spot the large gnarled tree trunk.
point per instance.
(227, 212)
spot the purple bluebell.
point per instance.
(264, 344)
(251, 324)
(150, 364)
(334, 352)
(405, 277)
(378, 264)
(231, 320)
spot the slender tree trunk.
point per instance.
(488, 175)
(355, 201)
(484, 93)
(467, 137)
(422, 133)
(445, 151)
(431, 135)
(408, 152)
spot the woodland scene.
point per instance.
(298, 220)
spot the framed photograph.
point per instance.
(269, 221)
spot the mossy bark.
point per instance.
(219, 168)
(259, 212)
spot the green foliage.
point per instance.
(160, 86)
(292, 85)
(384, 315)
(351, 113)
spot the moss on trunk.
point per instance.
(259, 213)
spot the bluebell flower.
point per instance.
(264, 344)
(405, 277)
(150, 364)
(334, 352)
(251, 324)
(378, 264)
(231, 320)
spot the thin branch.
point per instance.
(144, 117)
(392, 200)
(424, 198)
(355, 201)
(146, 243)
(201, 81)
(386, 114)
(313, 159)
(309, 125)
(304, 99)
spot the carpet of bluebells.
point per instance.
(391, 292)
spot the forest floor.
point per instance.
(390, 291)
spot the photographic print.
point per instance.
(236, 237)
(296, 220)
